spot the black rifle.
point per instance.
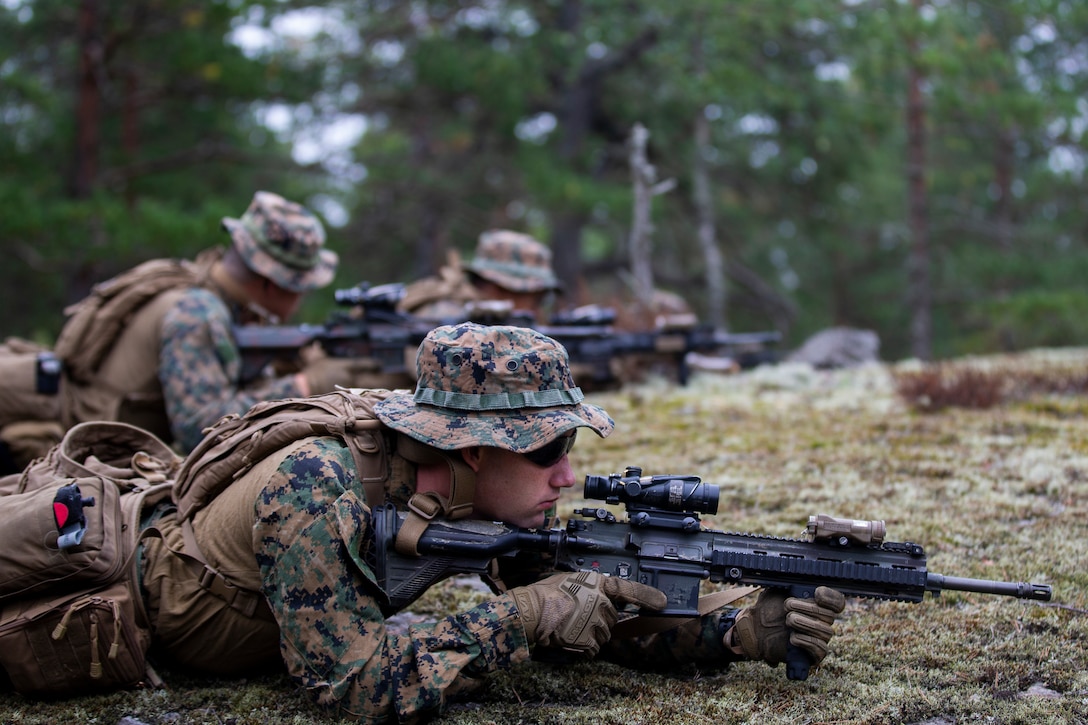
(374, 330)
(591, 340)
(662, 543)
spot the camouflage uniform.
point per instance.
(200, 367)
(175, 368)
(511, 260)
(296, 528)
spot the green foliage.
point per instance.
(517, 114)
(1030, 319)
(167, 143)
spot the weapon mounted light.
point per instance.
(824, 528)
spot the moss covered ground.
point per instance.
(997, 491)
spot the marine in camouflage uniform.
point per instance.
(175, 369)
(507, 267)
(490, 423)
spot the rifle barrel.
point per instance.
(1021, 590)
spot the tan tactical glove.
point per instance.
(325, 373)
(762, 631)
(575, 610)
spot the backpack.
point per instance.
(236, 443)
(72, 618)
(95, 323)
(29, 404)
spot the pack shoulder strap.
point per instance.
(95, 323)
(425, 507)
(235, 444)
(450, 284)
(242, 599)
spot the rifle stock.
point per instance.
(661, 543)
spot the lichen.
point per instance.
(998, 492)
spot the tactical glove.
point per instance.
(325, 373)
(576, 610)
(763, 630)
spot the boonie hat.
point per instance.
(502, 386)
(514, 261)
(283, 242)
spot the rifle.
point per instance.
(591, 340)
(372, 329)
(375, 330)
(662, 543)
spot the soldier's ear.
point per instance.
(472, 456)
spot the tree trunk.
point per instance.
(574, 122)
(130, 129)
(89, 104)
(640, 241)
(717, 294)
(919, 286)
(707, 232)
(577, 97)
(1004, 161)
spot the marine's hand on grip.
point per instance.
(765, 630)
(324, 373)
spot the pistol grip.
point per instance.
(798, 661)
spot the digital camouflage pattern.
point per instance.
(502, 386)
(284, 242)
(514, 261)
(200, 368)
(310, 536)
(297, 526)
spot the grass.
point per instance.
(994, 483)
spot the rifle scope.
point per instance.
(387, 295)
(664, 492)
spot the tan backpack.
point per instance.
(236, 443)
(72, 618)
(95, 323)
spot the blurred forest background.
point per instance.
(911, 167)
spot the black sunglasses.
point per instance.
(551, 453)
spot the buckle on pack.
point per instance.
(236, 598)
(426, 505)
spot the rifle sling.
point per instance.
(424, 507)
(638, 625)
